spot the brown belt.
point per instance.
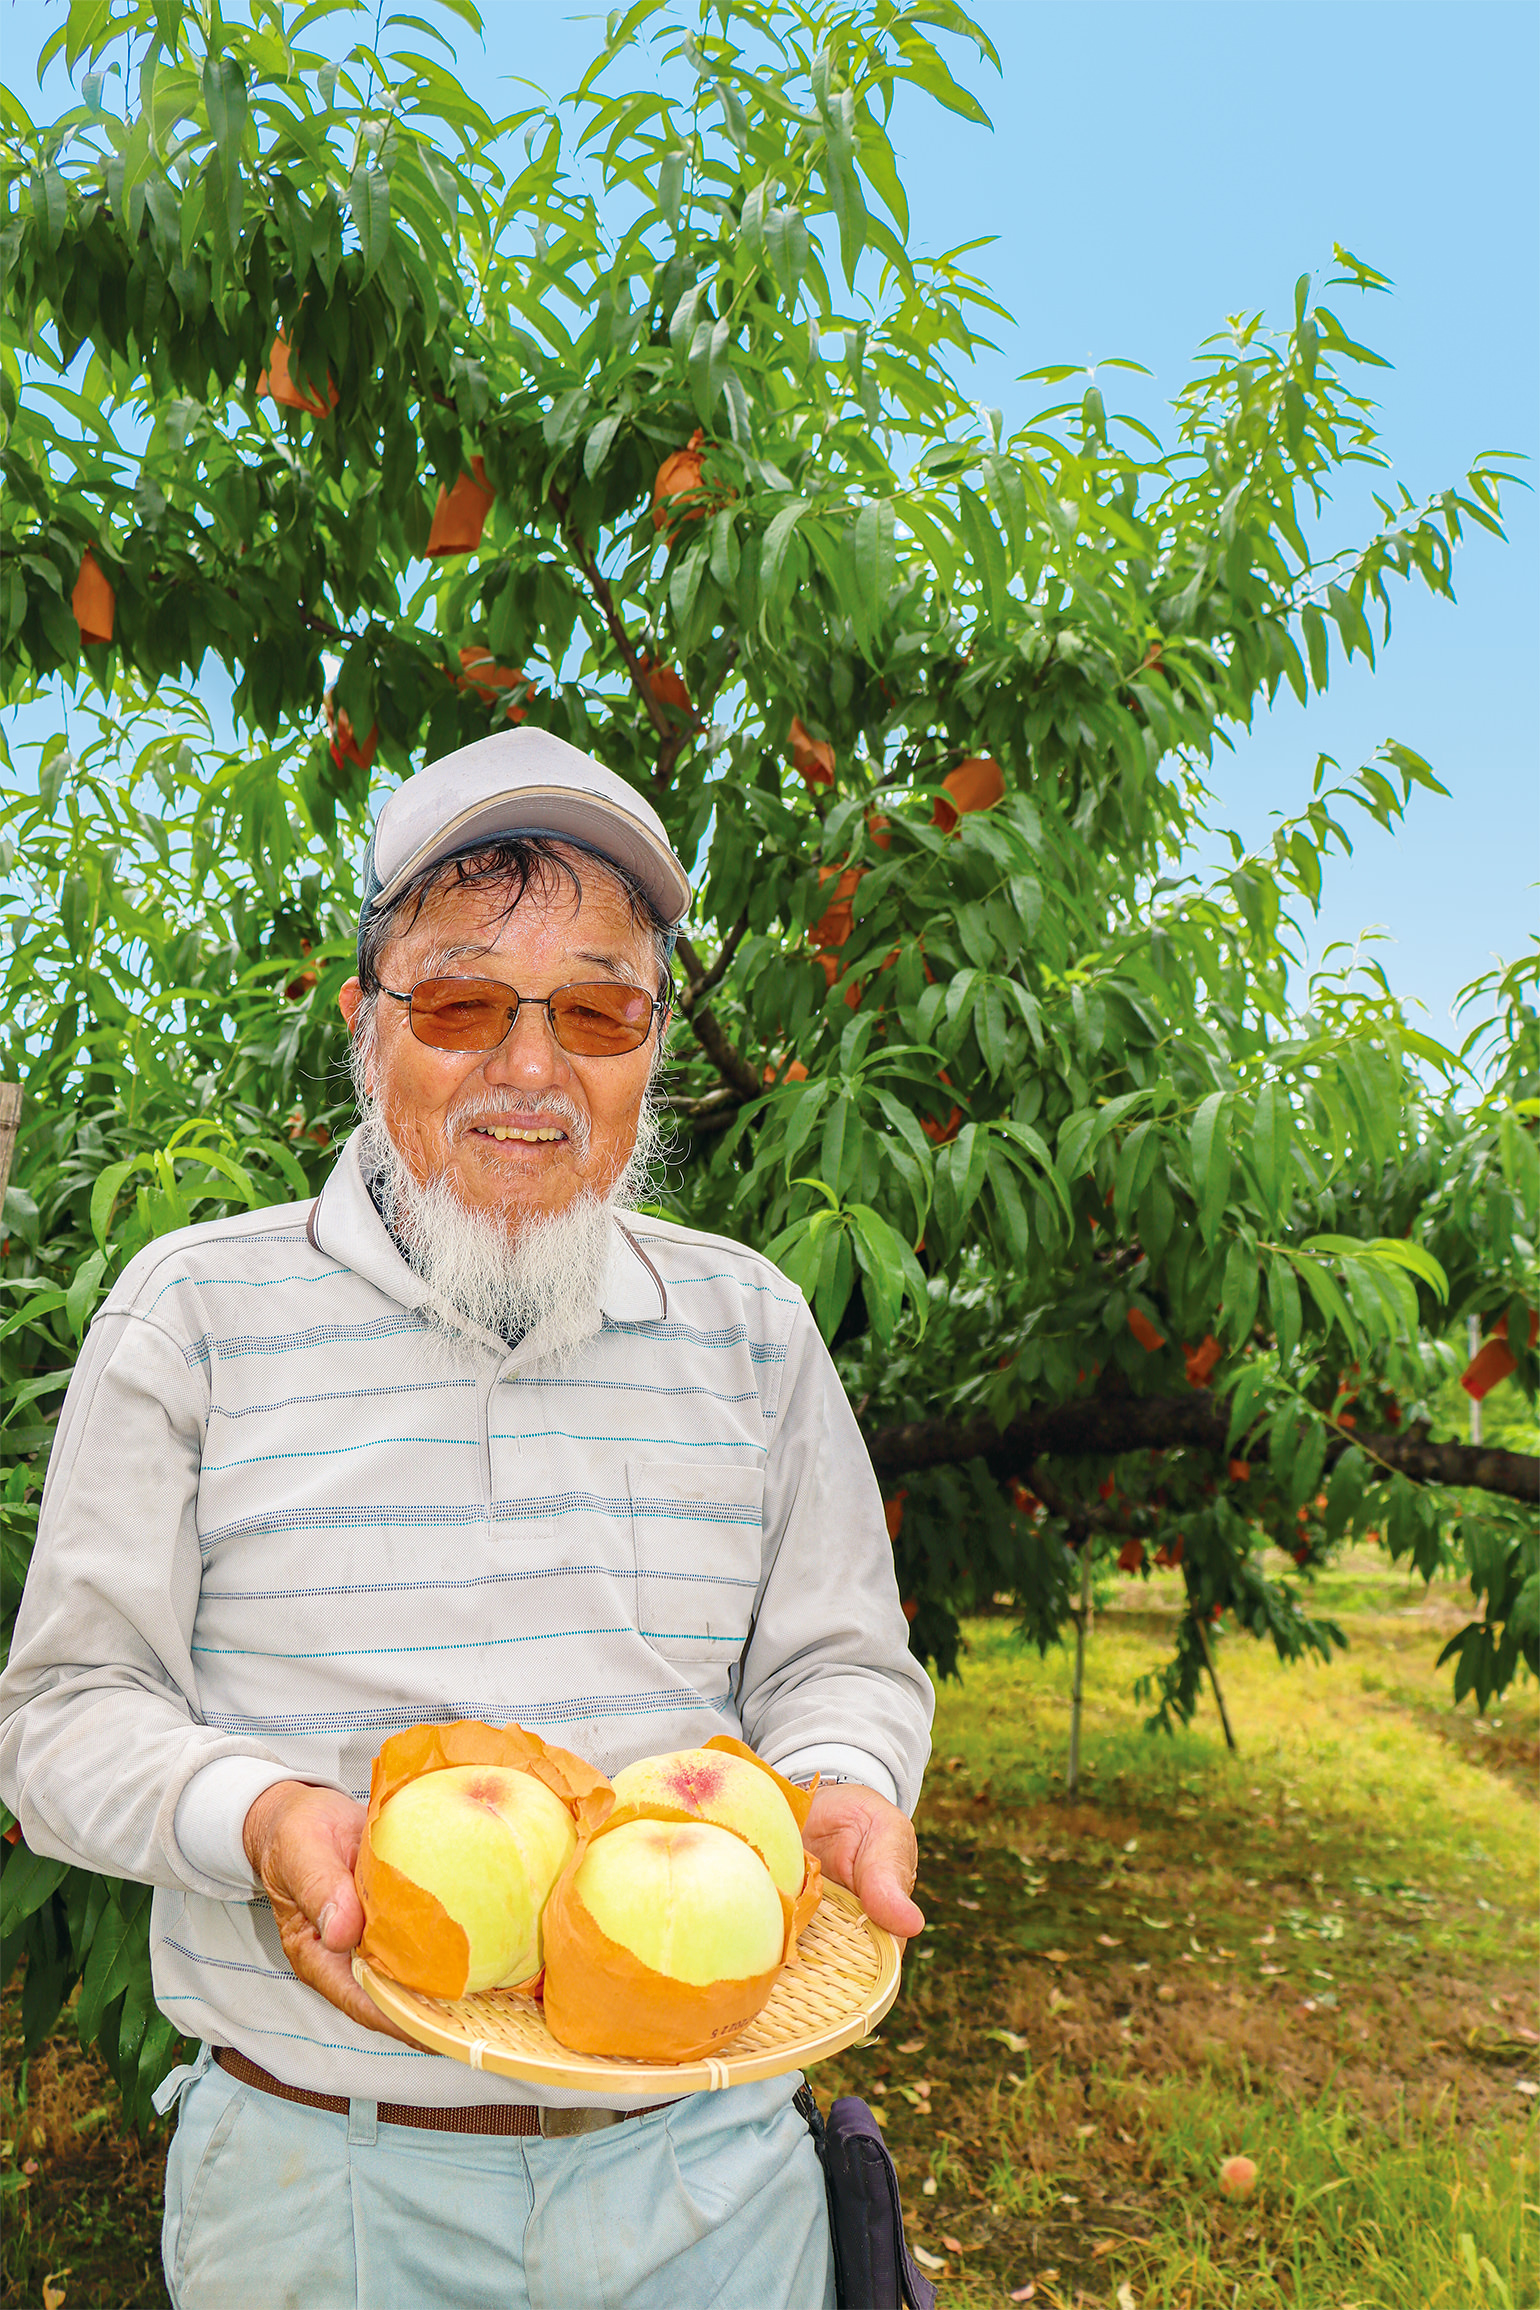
(497, 2117)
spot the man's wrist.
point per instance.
(211, 1816)
(838, 1763)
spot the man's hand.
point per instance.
(868, 1845)
(303, 1842)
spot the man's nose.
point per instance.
(529, 1056)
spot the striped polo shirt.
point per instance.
(284, 1518)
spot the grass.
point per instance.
(79, 2193)
(1319, 1953)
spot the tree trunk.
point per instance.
(1208, 1661)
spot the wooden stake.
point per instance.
(10, 1120)
(1077, 1690)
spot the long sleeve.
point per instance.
(827, 1668)
(99, 1730)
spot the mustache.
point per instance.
(485, 1107)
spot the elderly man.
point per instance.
(467, 1436)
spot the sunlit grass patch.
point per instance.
(1318, 1953)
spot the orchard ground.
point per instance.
(1319, 1953)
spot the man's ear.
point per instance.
(349, 998)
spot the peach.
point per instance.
(687, 1899)
(715, 1785)
(487, 1842)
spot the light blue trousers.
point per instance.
(715, 2204)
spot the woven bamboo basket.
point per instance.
(843, 1979)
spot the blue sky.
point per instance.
(1155, 168)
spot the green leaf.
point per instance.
(50, 206)
(224, 99)
(1283, 1303)
(1205, 1124)
(83, 1291)
(116, 1943)
(1271, 1136)
(369, 200)
(1216, 1183)
(1324, 1289)
(873, 558)
(27, 1882)
(773, 556)
(1240, 1290)
(1344, 1494)
(1309, 1460)
(1248, 1389)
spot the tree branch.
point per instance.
(1105, 1425)
(709, 1032)
(599, 587)
(709, 1112)
(699, 981)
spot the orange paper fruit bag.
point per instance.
(444, 1947)
(707, 1930)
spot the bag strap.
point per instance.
(806, 2106)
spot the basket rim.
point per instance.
(438, 2030)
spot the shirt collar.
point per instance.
(346, 1226)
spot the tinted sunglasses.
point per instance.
(598, 1019)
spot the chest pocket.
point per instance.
(697, 1537)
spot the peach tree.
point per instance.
(391, 423)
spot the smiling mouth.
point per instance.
(539, 1134)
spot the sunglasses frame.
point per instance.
(659, 1008)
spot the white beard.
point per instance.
(541, 1278)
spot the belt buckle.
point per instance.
(560, 2124)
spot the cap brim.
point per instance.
(600, 825)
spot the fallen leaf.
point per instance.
(879, 2113)
(928, 2261)
(1005, 2037)
(30, 2167)
(962, 1904)
(1166, 1994)
(954, 2245)
(1025, 2294)
(928, 2186)
(917, 2044)
(1103, 2246)
(1057, 1956)
(1084, 2133)
(1526, 2086)
(1126, 2297)
(1106, 1941)
(53, 2290)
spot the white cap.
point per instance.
(519, 782)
